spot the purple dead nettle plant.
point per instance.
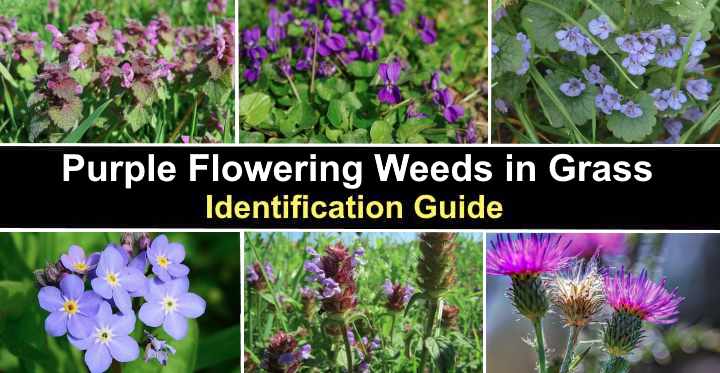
(90, 299)
(545, 272)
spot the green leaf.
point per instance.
(83, 76)
(255, 108)
(184, 360)
(332, 88)
(541, 25)
(303, 115)
(338, 114)
(510, 56)
(688, 12)
(412, 127)
(433, 348)
(145, 93)
(218, 93)
(27, 70)
(361, 69)
(15, 297)
(358, 136)
(8, 77)
(247, 137)
(67, 115)
(77, 134)
(581, 108)
(219, 347)
(381, 132)
(634, 129)
(137, 117)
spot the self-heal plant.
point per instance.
(101, 321)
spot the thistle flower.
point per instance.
(450, 316)
(525, 259)
(635, 299)
(282, 355)
(436, 267)
(397, 295)
(578, 293)
(587, 245)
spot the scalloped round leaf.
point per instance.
(689, 12)
(580, 108)
(381, 132)
(361, 69)
(634, 129)
(358, 136)
(510, 56)
(255, 108)
(541, 24)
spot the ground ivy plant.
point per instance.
(597, 71)
(362, 71)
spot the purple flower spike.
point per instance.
(115, 279)
(572, 88)
(390, 74)
(170, 305)
(642, 297)
(533, 254)
(166, 259)
(699, 88)
(109, 340)
(76, 261)
(426, 27)
(71, 307)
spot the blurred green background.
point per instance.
(214, 261)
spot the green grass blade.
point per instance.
(691, 40)
(9, 103)
(702, 126)
(77, 134)
(6, 74)
(219, 347)
(543, 84)
(588, 35)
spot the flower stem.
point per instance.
(429, 323)
(115, 367)
(570, 349)
(540, 344)
(348, 349)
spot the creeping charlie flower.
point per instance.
(601, 27)
(578, 293)
(525, 258)
(572, 88)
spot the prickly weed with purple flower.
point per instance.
(603, 72)
(362, 71)
(364, 301)
(85, 71)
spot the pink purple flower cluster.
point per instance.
(99, 319)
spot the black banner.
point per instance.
(623, 188)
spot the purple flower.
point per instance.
(694, 65)
(445, 98)
(74, 61)
(673, 127)
(157, 349)
(572, 88)
(494, 49)
(285, 68)
(698, 46)
(217, 7)
(608, 100)
(572, 40)
(119, 41)
(639, 296)
(629, 44)
(502, 106)
(413, 112)
(390, 74)
(499, 14)
(369, 42)
(669, 98)
(71, 307)
(109, 340)
(426, 27)
(533, 255)
(665, 35)
(115, 279)
(693, 114)
(170, 305)
(669, 57)
(397, 7)
(601, 27)
(128, 75)
(631, 110)
(593, 75)
(634, 64)
(166, 259)
(469, 135)
(527, 47)
(76, 261)
(699, 88)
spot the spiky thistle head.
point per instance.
(436, 267)
(578, 293)
(527, 255)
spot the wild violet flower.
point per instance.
(396, 7)
(115, 279)
(601, 27)
(108, 340)
(397, 295)
(331, 42)
(71, 308)
(369, 42)
(467, 136)
(445, 98)
(76, 261)
(635, 299)
(283, 355)
(572, 88)
(166, 258)
(426, 28)
(170, 305)
(390, 75)
(157, 349)
(699, 88)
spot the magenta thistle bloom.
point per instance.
(170, 305)
(639, 296)
(588, 244)
(76, 261)
(71, 307)
(109, 340)
(166, 258)
(533, 255)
